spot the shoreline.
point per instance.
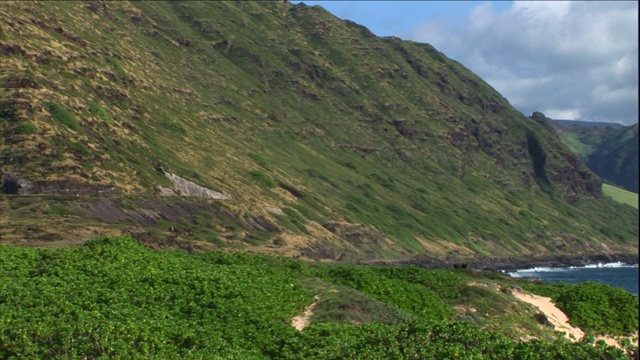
(560, 261)
(514, 263)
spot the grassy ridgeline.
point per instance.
(621, 195)
(115, 298)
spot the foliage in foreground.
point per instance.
(115, 298)
(596, 308)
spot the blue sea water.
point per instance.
(616, 274)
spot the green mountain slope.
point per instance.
(616, 158)
(610, 151)
(307, 135)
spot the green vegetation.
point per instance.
(63, 116)
(621, 195)
(80, 149)
(26, 128)
(115, 64)
(596, 308)
(177, 127)
(261, 161)
(115, 298)
(263, 178)
(55, 209)
(99, 111)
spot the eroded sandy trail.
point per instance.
(302, 321)
(556, 317)
(560, 321)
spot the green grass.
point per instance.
(99, 111)
(117, 67)
(263, 178)
(621, 195)
(56, 209)
(26, 128)
(64, 116)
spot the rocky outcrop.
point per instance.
(185, 187)
(14, 184)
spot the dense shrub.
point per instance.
(600, 308)
(114, 298)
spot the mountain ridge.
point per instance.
(587, 123)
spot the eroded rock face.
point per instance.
(188, 188)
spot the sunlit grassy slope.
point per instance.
(620, 195)
(331, 142)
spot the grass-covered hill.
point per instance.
(114, 298)
(279, 128)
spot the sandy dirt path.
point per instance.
(556, 317)
(560, 321)
(302, 321)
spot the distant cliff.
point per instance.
(610, 150)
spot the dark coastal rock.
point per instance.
(513, 264)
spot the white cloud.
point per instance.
(562, 114)
(572, 58)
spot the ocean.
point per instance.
(615, 274)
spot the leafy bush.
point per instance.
(114, 298)
(319, 175)
(409, 296)
(385, 181)
(600, 308)
(64, 116)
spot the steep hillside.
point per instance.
(301, 134)
(609, 151)
(615, 158)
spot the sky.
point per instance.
(571, 60)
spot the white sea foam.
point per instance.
(531, 272)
